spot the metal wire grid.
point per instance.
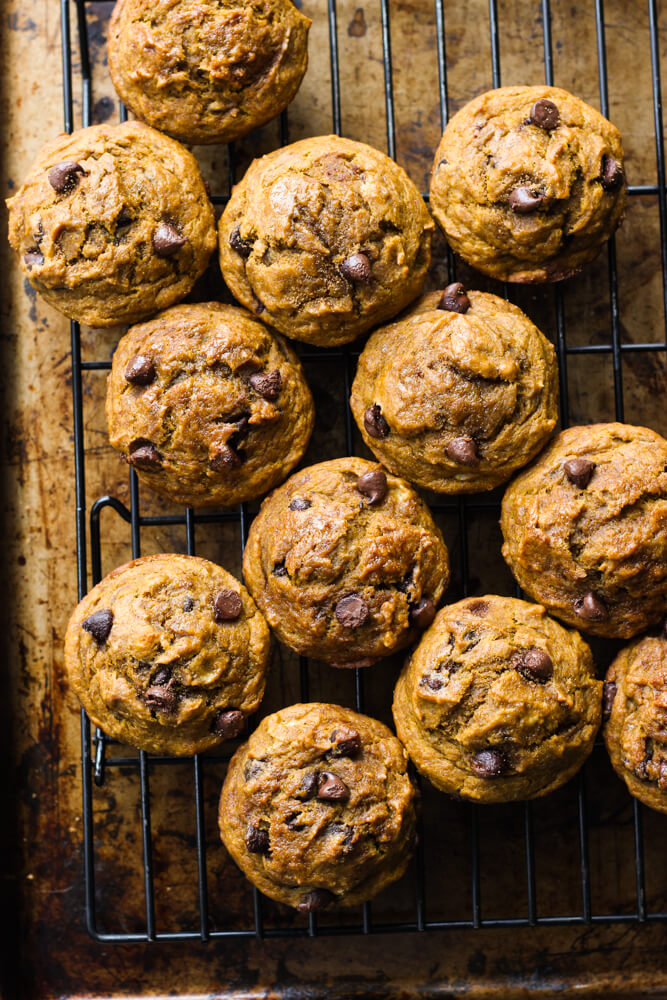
(93, 758)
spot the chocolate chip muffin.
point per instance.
(325, 238)
(317, 807)
(207, 405)
(635, 712)
(112, 223)
(585, 528)
(207, 70)
(168, 654)
(528, 183)
(458, 393)
(498, 702)
(346, 563)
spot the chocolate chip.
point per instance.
(242, 247)
(318, 899)
(99, 625)
(331, 788)
(252, 769)
(523, 201)
(422, 613)
(308, 787)
(356, 268)
(488, 763)
(433, 682)
(454, 299)
(280, 569)
(300, 504)
(478, 608)
(373, 485)
(65, 176)
(144, 455)
(463, 450)
(535, 665)
(346, 742)
(608, 694)
(352, 611)
(545, 114)
(612, 174)
(579, 471)
(257, 840)
(227, 606)
(226, 458)
(162, 699)
(375, 423)
(188, 604)
(33, 259)
(162, 677)
(167, 240)
(267, 384)
(592, 608)
(228, 723)
(140, 370)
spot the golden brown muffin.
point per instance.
(585, 528)
(528, 183)
(498, 702)
(458, 393)
(208, 405)
(345, 562)
(112, 223)
(325, 238)
(207, 70)
(635, 712)
(318, 808)
(169, 654)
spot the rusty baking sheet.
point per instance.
(571, 855)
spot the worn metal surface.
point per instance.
(47, 951)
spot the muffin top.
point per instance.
(585, 528)
(207, 71)
(458, 393)
(324, 239)
(112, 223)
(208, 405)
(528, 183)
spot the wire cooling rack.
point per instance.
(100, 767)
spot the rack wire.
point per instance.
(97, 763)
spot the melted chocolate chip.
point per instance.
(65, 176)
(99, 625)
(280, 569)
(454, 299)
(144, 455)
(535, 665)
(346, 742)
(579, 471)
(612, 174)
(318, 899)
(544, 114)
(432, 682)
(488, 763)
(162, 677)
(267, 384)
(228, 724)
(33, 259)
(422, 613)
(375, 423)
(140, 370)
(167, 240)
(330, 788)
(357, 268)
(188, 604)
(237, 243)
(161, 699)
(608, 694)
(373, 485)
(300, 504)
(252, 769)
(592, 608)
(227, 606)
(522, 200)
(257, 840)
(308, 787)
(352, 611)
(226, 458)
(463, 450)
(478, 608)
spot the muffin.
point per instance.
(325, 238)
(207, 71)
(112, 223)
(346, 563)
(498, 702)
(528, 183)
(318, 808)
(168, 654)
(208, 405)
(458, 393)
(635, 712)
(585, 528)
